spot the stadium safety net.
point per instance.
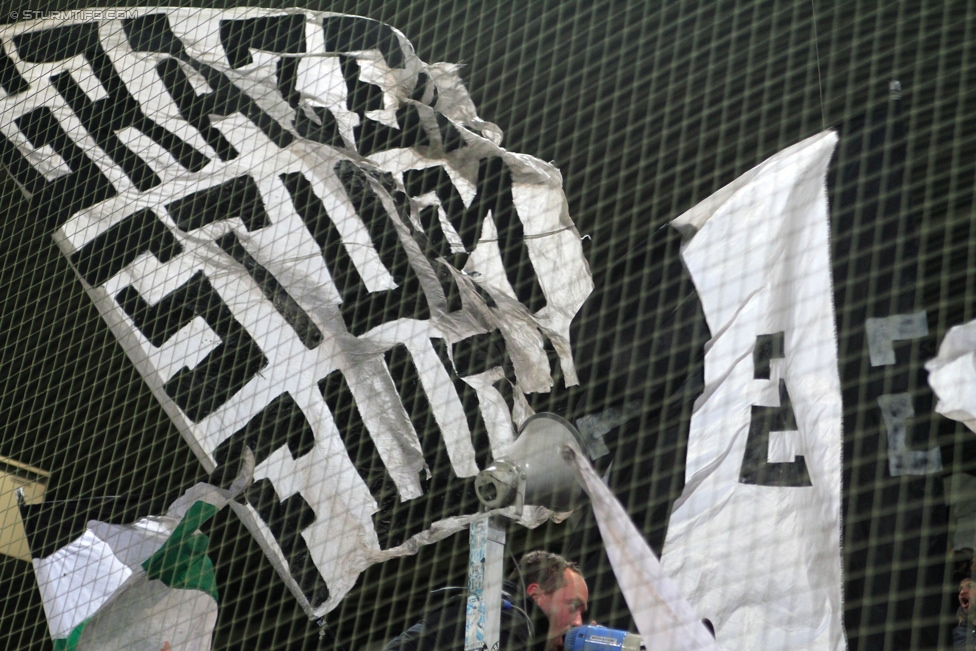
(278, 283)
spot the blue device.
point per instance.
(599, 638)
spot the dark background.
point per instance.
(646, 108)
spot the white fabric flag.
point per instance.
(147, 609)
(139, 585)
(754, 540)
(663, 616)
(952, 375)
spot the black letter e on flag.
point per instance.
(756, 466)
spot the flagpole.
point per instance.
(482, 628)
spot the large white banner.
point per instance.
(754, 540)
(307, 242)
(663, 616)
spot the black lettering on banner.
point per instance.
(55, 201)
(285, 35)
(372, 136)
(325, 130)
(485, 296)
(99, 124)
(408, 299)
(413, 397)
(474, 355)
(60, 43)
(362, 451)
(451, 138)
(227, 98)
(435, 244)
(103, 118)
(151, 33)
(10, 79)
(287, 520)
(225, 370)
(756, 467)
(437, 248)
(436, 241)
(112, 251)
(224, 99)
(437, 180)
(18, 165)
(360, 309)
(280, 423)
(360, 96)
(472, 407)
(555, 366)
(356, 34)
(283, 303)
(445, 494)
(414, 400)
(238, 197)
(320, 226)
(278, 34)
(400, 200)
(319, 124)
(195, 109)
(287, 76)
(480, 353)
(507, 391)
(494, 194)
(420, 89)
(768, 347)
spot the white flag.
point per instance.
(139, 585)
(754, 540)
(662, 614)
(952, 375)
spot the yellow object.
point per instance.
(15, 475)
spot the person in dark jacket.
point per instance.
(544, 599)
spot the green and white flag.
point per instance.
(137, 586)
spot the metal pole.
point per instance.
(494, 575)
(482, 626)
